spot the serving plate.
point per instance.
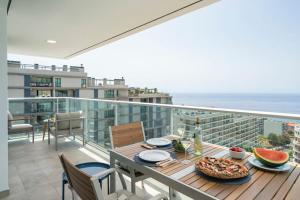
(159, 142)
(154, 155)
(253, 161)
(235, 181)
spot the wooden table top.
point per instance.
(263, 185)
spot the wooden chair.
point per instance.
(19, 128)
(88, 187)
(65, 125)
(126, 134)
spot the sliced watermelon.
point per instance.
(271, 157)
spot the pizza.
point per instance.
(221, 168)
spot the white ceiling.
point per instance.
(81, 25)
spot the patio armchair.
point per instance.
(88, 187)
(126, 134)
(65, 125)
(19, 128)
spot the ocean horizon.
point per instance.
(283, 103)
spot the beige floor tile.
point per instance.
(35, 171)
(45, 192)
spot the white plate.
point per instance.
(258, 164)
(159, 141)
(154, 155)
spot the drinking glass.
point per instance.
(186, 145)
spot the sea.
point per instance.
(283, 103)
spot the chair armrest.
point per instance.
(62, 120)
(21, 118)
(103, 173)
(81, 118)
(159, 197)
(69, 119)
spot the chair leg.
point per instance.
(63, 190)
(44, 132)
(133, 186)
(108, 190)
(48, 137)
(83, 141)
(143, 185)
(32, 135)
(173, 195)
(73, 194)
(56, 143)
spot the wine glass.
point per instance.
(186, 145)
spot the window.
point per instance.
(109, 94)
(109, 113)
(41, 82)
(83, 83)
(61, 93)
(57, 82)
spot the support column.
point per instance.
(3, 100)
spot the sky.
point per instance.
(232, 46)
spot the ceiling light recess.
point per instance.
(51, 41)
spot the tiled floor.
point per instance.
(35, 170)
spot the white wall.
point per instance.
(100, 94)
(123, 93)
(15, 93)
(15, 80)
(86, 93)
(3, 99)
(70, 82)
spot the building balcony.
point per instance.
(34, 169)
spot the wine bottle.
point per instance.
(197, 138)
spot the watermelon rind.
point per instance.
(268, 162)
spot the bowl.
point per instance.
(237, 152)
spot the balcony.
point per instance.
(222, 127)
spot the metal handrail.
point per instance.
(172, 106)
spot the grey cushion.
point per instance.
(63, 125)
(18, 128)
(65, 132)
(74, 122)
(21, 126)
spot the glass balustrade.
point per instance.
(224, 127)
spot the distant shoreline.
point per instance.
(277, 102)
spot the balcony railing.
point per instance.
(64, 68)
(226, 127)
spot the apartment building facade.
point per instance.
(226, 129)
(34, 80)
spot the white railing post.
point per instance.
(57, 105)
(172, 122)
(116, 115)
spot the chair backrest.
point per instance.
(10, 118)
(63, 121)
(75, 119)
(71, 118)
(78, 180)
(126, 134)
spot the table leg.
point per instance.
(48, 129)
(113, 175)
(173, 195)
(44, 130)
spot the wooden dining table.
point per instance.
(184, 178)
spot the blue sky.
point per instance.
(232, 46)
